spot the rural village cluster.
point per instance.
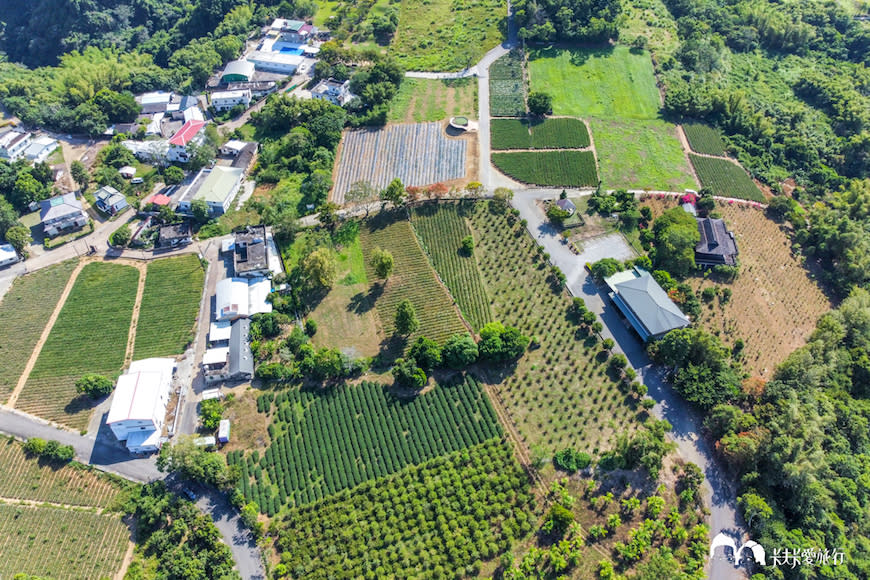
(396, 289)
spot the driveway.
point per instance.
(235, 534)
(719, 493)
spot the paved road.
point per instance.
(464, 73)
(235, 534)
(718, 489)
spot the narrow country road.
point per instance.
(718, 489)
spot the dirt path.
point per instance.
(125, 563)
(134, 321)
(22, 380)
(66, 506)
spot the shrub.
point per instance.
(467, 245)
(408, 374)
(426, 352)
(499, 342)
(94, 385)
(558, 519)
(51, 450)
(310, 327)
(571, 460)
(605, 268)
(121, 236)
(211, 411)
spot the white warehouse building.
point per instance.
(276, 62)
(139, 403)
(225, 100)
(241, 298)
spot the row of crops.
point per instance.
(418, 154)
(551, 133)
(323, 443)
(436, 520)
(26, 478)
(170, 304)
(412, 279)
(24, 312)
(555, 168)
(704, 139)
(507, 85)
(441, 229)
(60, 543)
(725, 178)
(89, 336)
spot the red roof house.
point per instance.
(187, 132)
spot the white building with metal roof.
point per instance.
(138, 410)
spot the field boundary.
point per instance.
(137, 307)
(31, 362)
(66, 506)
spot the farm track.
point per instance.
(137, 307)
(125, 563)
(40, 503)
(22, 380)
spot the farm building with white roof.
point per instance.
(241, 298)
(139, 403)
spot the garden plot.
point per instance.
(418, 154)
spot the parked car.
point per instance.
(137, 180)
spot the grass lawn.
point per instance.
(412, 279)
(90, 336)
(606, 83)
(441, 35)
(422, 100)
(558, 395)
(641, 154)
(24, 311)
(170, 304)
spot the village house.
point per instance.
(645, 304)
(139, 402)
(717, 246)
(61, 213)
(13, 145)
(333, 91)
(190, 132)
(216, 185)
(110, 200)
(225, 100)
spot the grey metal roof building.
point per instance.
(645, 304)
(717, 246)
(241, 357)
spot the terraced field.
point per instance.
(418, 154)
(27, 479)
(90, 336)
(441, 228)
(60, 543)
(170, 304)
(24, 312)
(412, 278)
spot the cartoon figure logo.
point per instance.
(723, 541)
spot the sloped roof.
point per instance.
(139, 390)
(59, 206)
(650, 304)
(716, 242)
(187, 132)
(241, 357)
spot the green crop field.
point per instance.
(553, 133)
(439, 35)
(170, 304)
(28, 479)
(90, 336)
(323, 443)
(507, 86)
(441, 228)
(704, 139)
(60, 543)
(641, 154)
(434, 520)
(606, 83)
(559, 395)
(24, 312)
(726, 178)
(556, 168)
(412, 279)
(423, 100)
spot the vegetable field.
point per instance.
(90, 336)
(726, 178)
(26, 478)
(412, 278)
(507, 86)
(170, 304)
(422, 100)
(557, 168)
(429, 521)
(559, 395)
(60, 543)
(24, 312)
(558, 133)
(418, 154)
(704, 139)
(323, 443)
(441, 228)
